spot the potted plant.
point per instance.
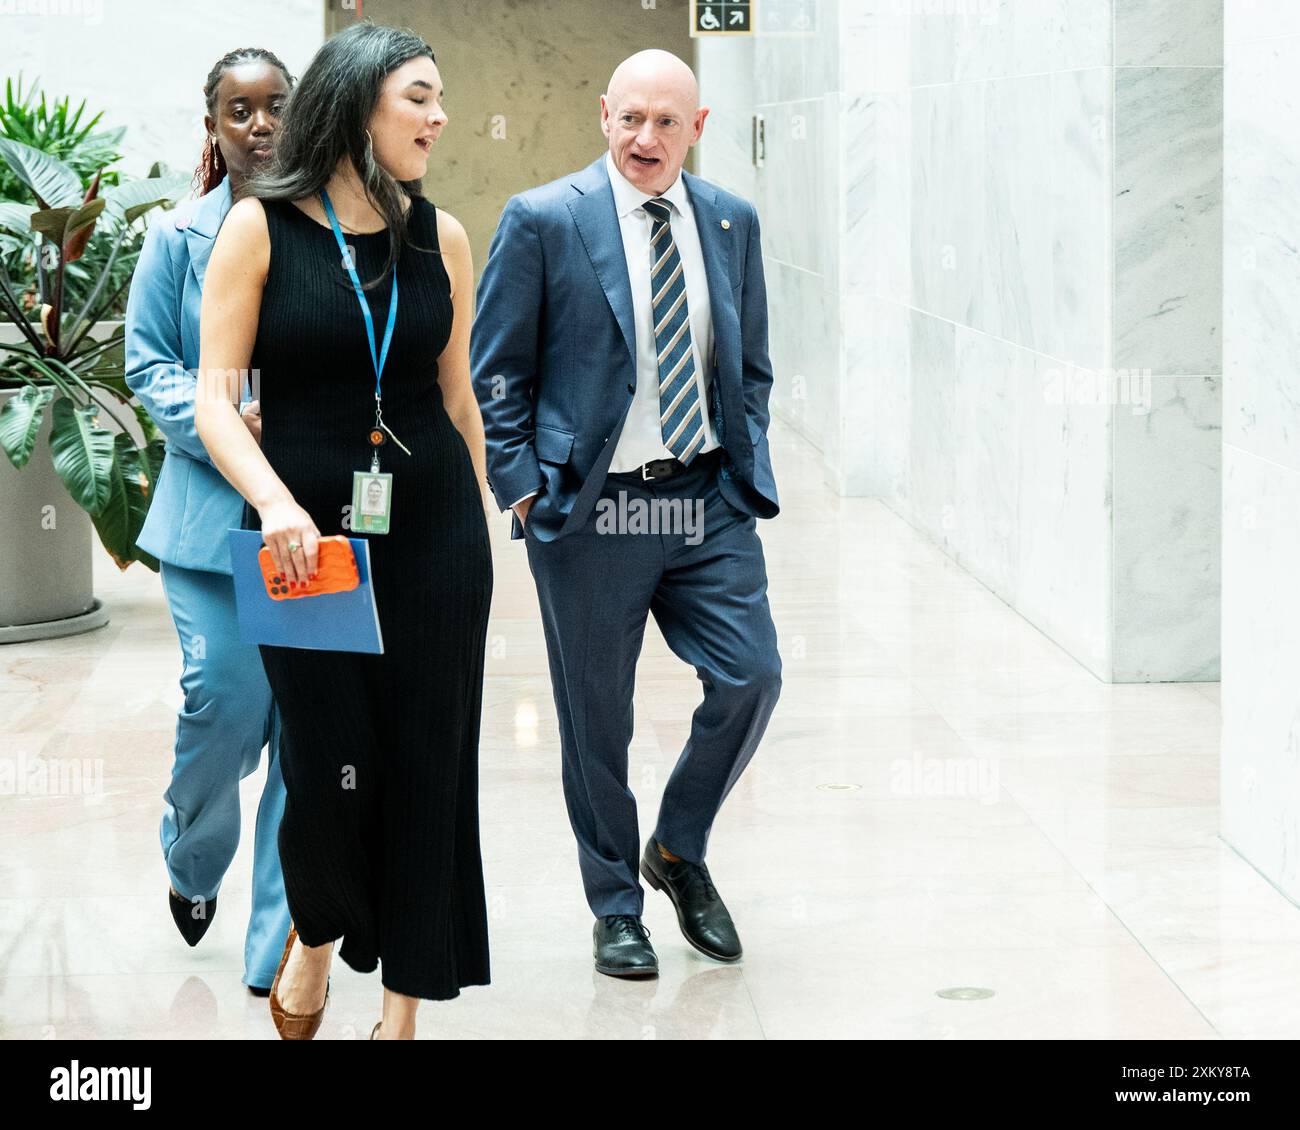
(66, 414)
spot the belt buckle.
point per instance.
(667, 464)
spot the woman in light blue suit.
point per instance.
(228, 714)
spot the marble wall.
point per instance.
(1020, 215)
(1260, 765)
(1168, 286)
(792, 81)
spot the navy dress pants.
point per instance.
(702, 575)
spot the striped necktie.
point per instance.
(681, 421)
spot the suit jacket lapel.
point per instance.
(204, 225)
(593, 212)
(715, 244)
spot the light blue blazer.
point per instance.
(193, 505)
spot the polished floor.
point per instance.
(944, 801)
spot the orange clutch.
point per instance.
(336, 571)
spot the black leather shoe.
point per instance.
(701, 914)
(191, 928)
(621, 946)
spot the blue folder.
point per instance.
(333, 621)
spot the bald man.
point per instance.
(620, 359)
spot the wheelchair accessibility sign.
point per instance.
(722, 17)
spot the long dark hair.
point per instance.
(211, 169)
(325, 120)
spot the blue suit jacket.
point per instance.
(193, 505)
(553, 352)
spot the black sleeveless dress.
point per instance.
(379, 842)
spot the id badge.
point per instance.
(372, 501)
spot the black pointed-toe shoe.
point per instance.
(700, 910)
(191, 926)
(621, 946)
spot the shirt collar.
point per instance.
(627, 196)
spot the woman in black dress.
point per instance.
(379, 841)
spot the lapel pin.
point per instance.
(726, 225)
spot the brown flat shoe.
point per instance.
(291, 1025)
(375, 1028)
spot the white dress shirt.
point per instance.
(642, 437)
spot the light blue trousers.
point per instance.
(227, 717)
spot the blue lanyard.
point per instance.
(377, 359)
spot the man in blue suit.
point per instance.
(620, 360)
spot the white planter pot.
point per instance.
(46, 542)
(12, 335)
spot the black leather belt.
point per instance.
(659, 469)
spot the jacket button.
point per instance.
(631, 388)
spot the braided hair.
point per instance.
(211, 169)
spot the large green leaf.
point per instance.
(128, 202)
(147, 426)
(83, 223)
(154, 452)
(16, 218)
(53, 129)
(52, 182)
(120, 520)
(61, 225)
(82, 453)
(20, 421)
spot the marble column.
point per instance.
(1260, 765)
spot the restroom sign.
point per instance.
(791, 17)
(722, 17)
